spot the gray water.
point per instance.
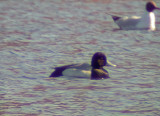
(38, 35)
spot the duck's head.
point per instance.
(99, 60)
(151, 6)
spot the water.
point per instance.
(36, 36)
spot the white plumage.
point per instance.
(144, 22)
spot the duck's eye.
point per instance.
(101, 59)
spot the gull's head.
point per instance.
(151, 6)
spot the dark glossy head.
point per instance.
(98, 60)
(151, 6)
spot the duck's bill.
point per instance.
(110, 64)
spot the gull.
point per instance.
(144, 22)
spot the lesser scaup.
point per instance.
(93, 71)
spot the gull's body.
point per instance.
(145, 22)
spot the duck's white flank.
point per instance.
(72, 72)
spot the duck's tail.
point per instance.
(58, 71)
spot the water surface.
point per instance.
(36, 36)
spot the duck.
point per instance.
(144, 22)
(95, 71)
